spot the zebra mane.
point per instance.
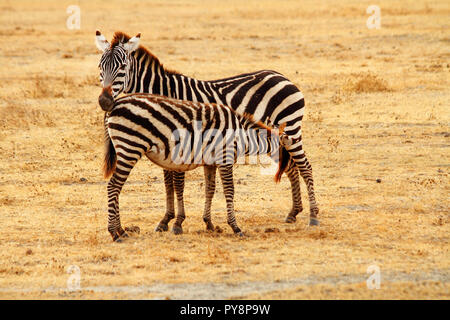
(121, 37)
(247, 117)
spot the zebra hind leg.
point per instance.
(226, 175)
(297, 207)
(295, 149)
(178, 183)
(210, 188)
(306, 173)
(170, 204)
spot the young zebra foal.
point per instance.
(180, 136)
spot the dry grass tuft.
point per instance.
(46, 87)
(17, 115)
(42, 88)
(216, 255)
(102, 257)
(7, 201)
(91, 80)
(92, 240)
(317, 234)
(366, 83)
(316, 116)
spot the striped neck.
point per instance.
(147, 75)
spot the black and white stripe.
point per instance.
(145, 124)
(267, 95)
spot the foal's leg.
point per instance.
(170, 204)
(226, 174)
(210, 188)
(115, 184)
(178, 183)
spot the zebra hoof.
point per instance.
(314, 222)
(290, 219)
(177, 230)
(210, 227)
(162, 228)
(119, 235)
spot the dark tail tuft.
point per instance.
(282, 163)
(109, 164)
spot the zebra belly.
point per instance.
(169, 164)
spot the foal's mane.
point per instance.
(260, 124)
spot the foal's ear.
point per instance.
(133, 43)
(101, 42)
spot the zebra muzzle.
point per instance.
(106, 100)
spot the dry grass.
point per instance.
(392, 291)
(375, 130)
(365, 83)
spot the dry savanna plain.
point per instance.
(376, 131)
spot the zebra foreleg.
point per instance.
(226, 175)
(115, 184)
(178, 183)
(210, 188)
(170, 204)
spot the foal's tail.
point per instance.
(285, 156)
(109, 163)
(282, 163)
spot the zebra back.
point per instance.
(191, 133)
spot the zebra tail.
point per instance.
(282, 163)
(109, 164)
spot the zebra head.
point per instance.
(114, 66)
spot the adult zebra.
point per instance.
(162, 129)
(127, 67)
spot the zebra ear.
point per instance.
(133, 43)
(100, 41)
